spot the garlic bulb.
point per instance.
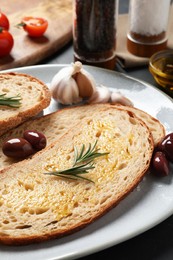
(101, 95)
(117, 97)
(71, 84)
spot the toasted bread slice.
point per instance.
(155, 126)
(56, 124)
(35, 206)
(35, 97)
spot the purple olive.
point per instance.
(169, 149)
(17, 148)
(160, 164)
(35, 138)
(161, 145)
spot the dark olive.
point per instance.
(160, 164)
(17, 148)
(35, 138)
(169, 149)
(161, 145)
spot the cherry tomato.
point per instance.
(6, 42)
(34, 26)
(4, 22)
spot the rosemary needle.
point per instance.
(73, 173)
(83, 162)
(90, 154)
(14, 101)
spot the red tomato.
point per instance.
(6, 42)
(4, 22)
(34, 26)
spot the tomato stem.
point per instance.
(19, 25)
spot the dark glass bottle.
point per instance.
(94, 32)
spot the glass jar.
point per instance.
(94, 32)
(148, 20)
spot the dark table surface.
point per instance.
(156, 243)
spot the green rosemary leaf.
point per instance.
(91, 153)
(83, 162)
(82, 151)
(75, 169)
(73, 172)
(14, 101)
(70, 176)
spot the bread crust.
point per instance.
(157, 129)
(130, 146)
(23, 84)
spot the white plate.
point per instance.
(148, 205)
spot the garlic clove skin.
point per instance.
(64, 72)
(86, 83)
(101, 95)
(118, 98)
(68, 92)
(71, 84)
(64, 88)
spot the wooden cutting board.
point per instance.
(27, 50)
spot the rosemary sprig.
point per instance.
(83, 162)
(90, 154)
(73, 173)
(14, 101)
